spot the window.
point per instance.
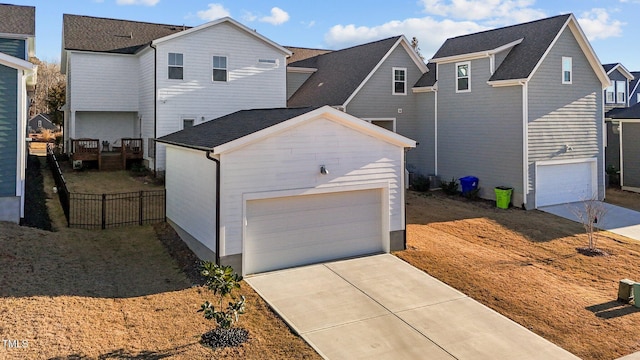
(610, 95)
(187, 123)
(176, 66)
(219, 68)
(567, 70)
(621, 92)
(387, 123)
(399, 81)
(463, 77)
(39, 124)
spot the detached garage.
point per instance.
(286, 187)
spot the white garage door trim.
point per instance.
(543, 199)
(384, 210)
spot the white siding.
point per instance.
(292, 160)
(103, 82)
(251, 85)
(109, 126)
(146, 98)
(191, 188)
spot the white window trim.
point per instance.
(623, 101)
(169, 65)
(468, 89)
(371, 120)
(570, 70)
(393, 81)
(612, 92)
(183, 118)
(227, 69)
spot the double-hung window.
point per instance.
(621, 92)
(463, 77)
(176, 66)
(399, 81)
(567, 70)
(610, 94)
(220, 68)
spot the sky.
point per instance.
(610, 25)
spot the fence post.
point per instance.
(104, 210)
(140, 207)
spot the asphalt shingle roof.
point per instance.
(16, 19)
(522, 59)
(632, 83)
(608, 67)
(299, 53)
(231, 127)
(339, 73)
(427, 79)
(89, 33)
(632, 112)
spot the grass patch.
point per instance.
(524, 264)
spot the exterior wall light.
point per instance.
(323, 170)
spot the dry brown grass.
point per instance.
(78, 294)
(106, 182)
(628, 199)
(524, 264)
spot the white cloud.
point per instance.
(277, 17)
(138, 2)
(215, 11)
(597, 24)
(249, 16)
(430, 32)
(495, 12)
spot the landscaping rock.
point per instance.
(219, 337)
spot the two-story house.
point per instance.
(519, 106)
(17, 75)
(617, 95)
(129, 80)
(634, 89)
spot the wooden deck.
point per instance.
(108, 158)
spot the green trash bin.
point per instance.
(636, 295)
(503, 196)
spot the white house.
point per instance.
(128, 79)
(273, 188)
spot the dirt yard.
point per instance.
(524, 264)
(626, 199)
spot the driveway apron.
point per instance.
(383, 308)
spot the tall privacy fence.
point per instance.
(101, 211)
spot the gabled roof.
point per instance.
(300, 53)
(87, 33)
(18, 20)
(41, 116)
(341, 73)
(242, 127)
(633, 84)
(609, 68)
(428, 79)
(536, 37)
(632, 112)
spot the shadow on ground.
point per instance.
(612, 309)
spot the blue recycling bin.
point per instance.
(468, 184)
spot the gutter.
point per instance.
(218, 169)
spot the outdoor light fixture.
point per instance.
(568, 148)
(323, 170)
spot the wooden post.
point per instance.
(141, 212)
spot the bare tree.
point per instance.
(591, 212)
(49, 78)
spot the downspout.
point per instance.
(218, 169)
(404, 198)
(525, 142)
(155, 107)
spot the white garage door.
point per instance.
(297, 230)
(565, 182)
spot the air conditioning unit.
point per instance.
(77, 164)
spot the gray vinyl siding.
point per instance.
(616, 76)
(565, 114)
(631, 154)
(14, 47)
(375, 100)
(612, 151)
(294, 81)
(8, 130)
(480, 132)
(422, 159)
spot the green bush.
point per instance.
(450, 187)
(420, 183)
(473, 194)
(222, 280)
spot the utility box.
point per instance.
(625, 290)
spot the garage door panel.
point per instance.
(564, 183)
(292, 231)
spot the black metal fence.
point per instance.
(101, 211)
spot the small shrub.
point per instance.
(450, 187)
(473, 194)
(420, 183)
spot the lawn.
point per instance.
(524, 264)
(115, 294)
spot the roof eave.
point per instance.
(622, 70)
(16, 63)
(424, 89)
(507, 82)
(194, 147)
(301, 70)
(476, 55)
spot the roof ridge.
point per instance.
(511, 26)
(128, 21)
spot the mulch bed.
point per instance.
(35, 200)
(187, 261)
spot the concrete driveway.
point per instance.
(617, 219)
(380, 307)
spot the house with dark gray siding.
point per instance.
(634, 89)
(519, 106)
(617, 95)
(17, 33)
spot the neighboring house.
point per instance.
(617, 94)
(519, 106)
(623, 147)
(371, 81)
(128, 79)
(17, 76)
(40, 122)
(272, 188)
(634, 89)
